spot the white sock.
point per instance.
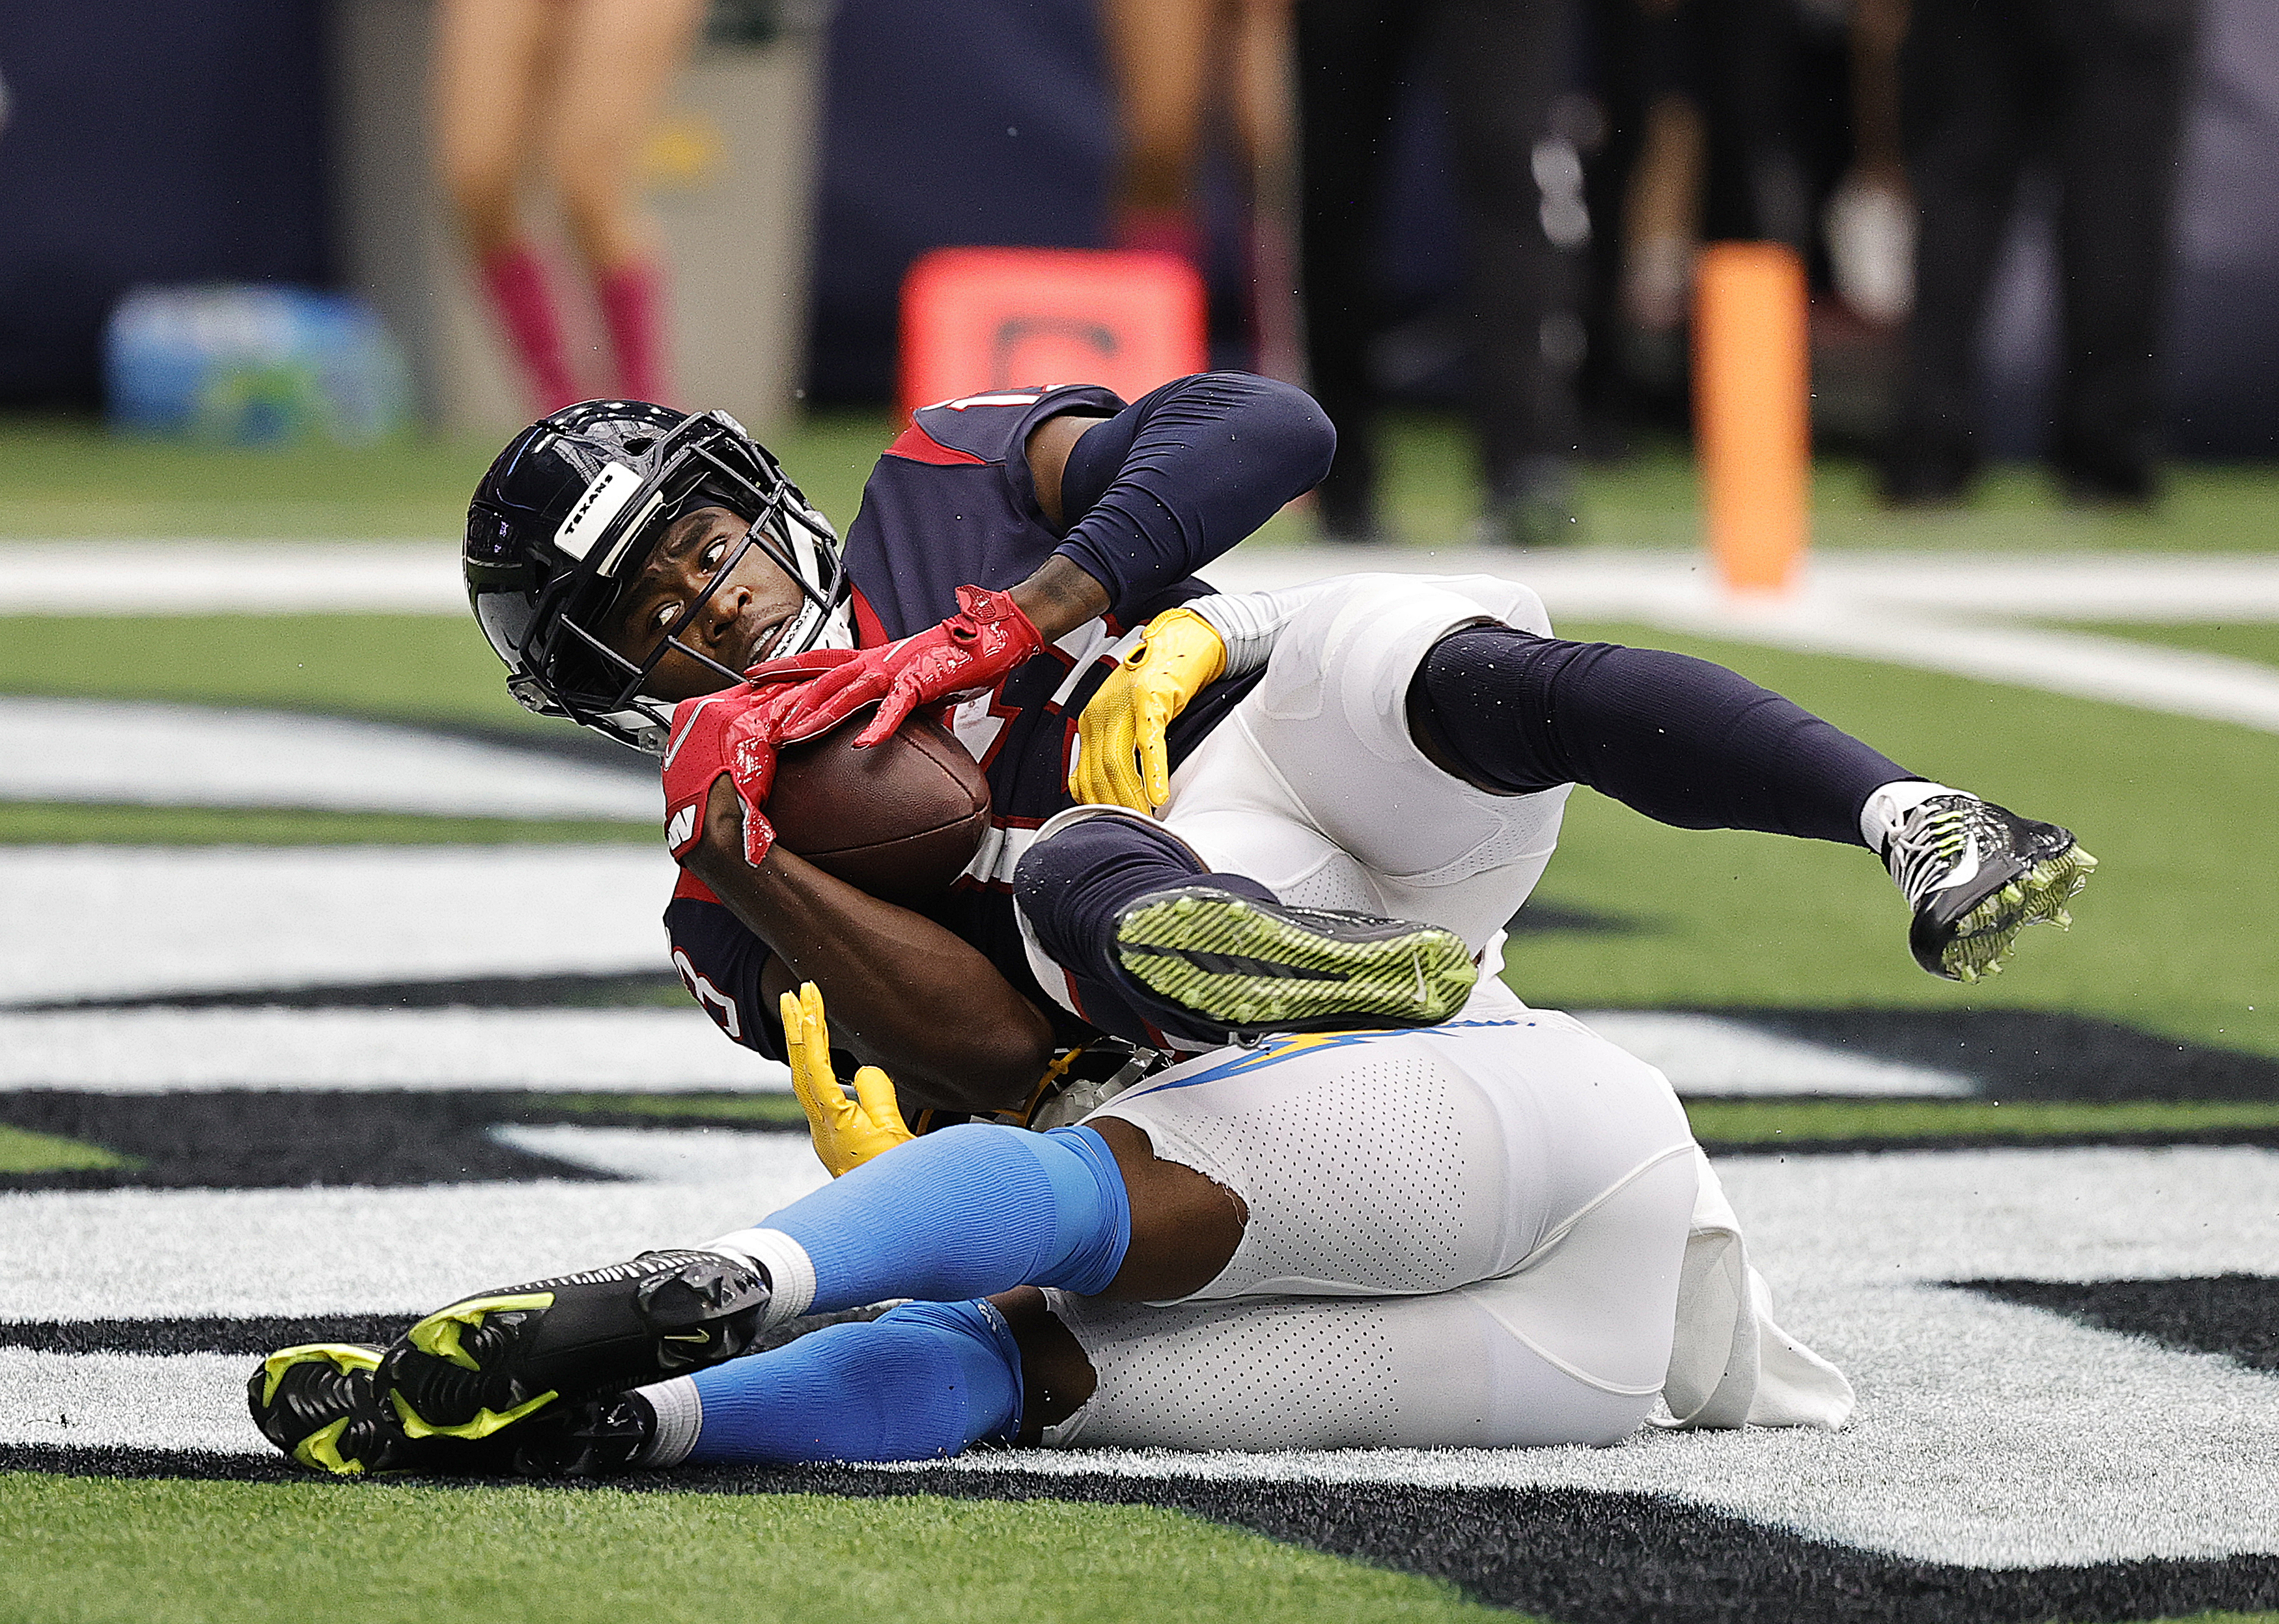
(1888, 808)
(679, 1410)
(790, 1271)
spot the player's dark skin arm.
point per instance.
(906, 995)
(910, 997)
(1061, 596)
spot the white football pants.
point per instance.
(1465, 1235)
(1313, 787)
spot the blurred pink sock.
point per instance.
(515, 278)
(632, 298)
(1162, 231)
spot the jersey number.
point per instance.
(717, 1003)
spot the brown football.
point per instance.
(899, 820)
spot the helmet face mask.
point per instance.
(569, 512)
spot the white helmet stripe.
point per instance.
(604, 499)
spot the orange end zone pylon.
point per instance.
(1752, 412)
(981, 318)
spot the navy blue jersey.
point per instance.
(951, 504)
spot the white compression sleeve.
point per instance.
(1249, 622)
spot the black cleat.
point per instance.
(1244, 967)
(1975, 875)
(319, 1404)
(491, 1360)
(595, 1437)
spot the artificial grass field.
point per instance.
(2173, 937)
(63, 478)
(80, 1550)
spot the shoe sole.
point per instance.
(361, 1439)
(1275, 975)
(438, 1337)
(432, 1379)
(1988, 933)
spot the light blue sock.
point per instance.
(924, 1381)
(968, 1212)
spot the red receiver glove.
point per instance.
(733, 732)
(967, 654)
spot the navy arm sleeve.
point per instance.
(1184, 472)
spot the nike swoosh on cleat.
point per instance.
(695, 1336)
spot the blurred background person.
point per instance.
(1502, 64)
(1725, 120)
(1869, 220)
(2094, 89)
(1184, 70)
(571, 86)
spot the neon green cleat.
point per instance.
(318, 1402)
(1975, 875)
(1238, 968)
(488, 1362)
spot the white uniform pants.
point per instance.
(1510, 1195)
(1313, 787)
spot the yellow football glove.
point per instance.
(847, 1132)
(1121, 760)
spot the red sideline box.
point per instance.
(979, 318)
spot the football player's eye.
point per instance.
(715, 552)
(666, 614)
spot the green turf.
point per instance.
(2210, 509)
(1431, 493)
(83, 1551)
(35, 822)
(22, 1150)
(729, 1108)
(2174, 928)
(412, 668)
(66, 478)
(1787, 1121)
(418, 669)
(2173, 934)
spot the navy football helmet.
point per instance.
(569, 513)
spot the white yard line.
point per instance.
(1605, 583)
(179, 1051)
(141, 577)
(1706, 1058)
(1909, 609)
(1988, 1434)
(175, 1051)
(1932, 612)
(2144, 676)
(130, 921)
(157, 1253)
(176, 1401)
(161, 755)
(421, 576)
